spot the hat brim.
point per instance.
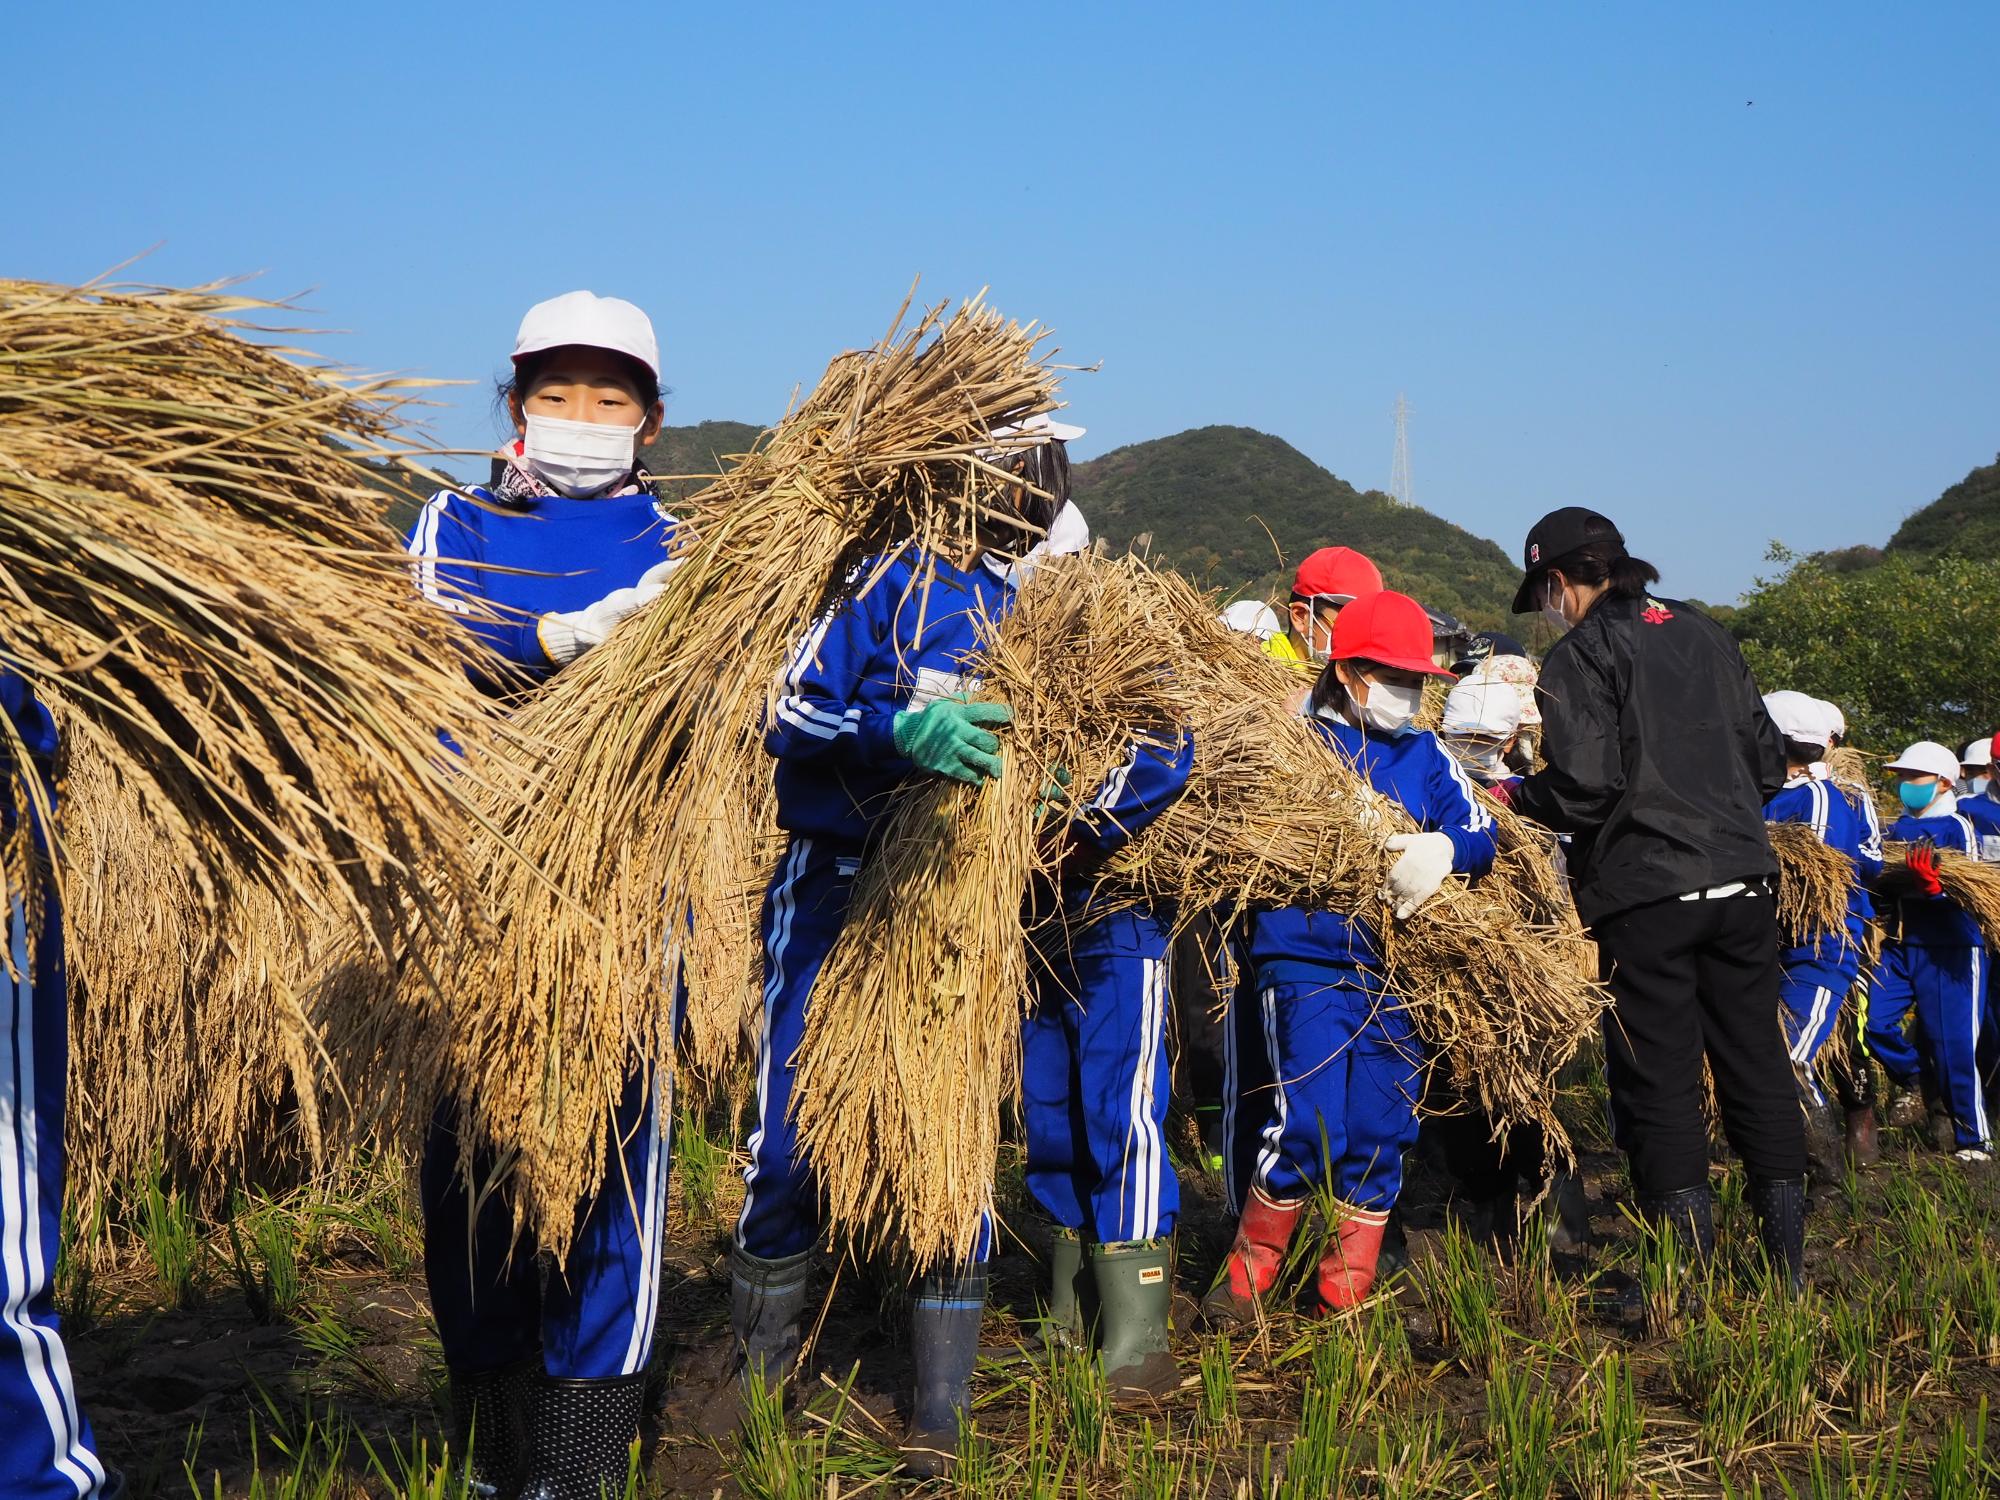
(1524, 602)
(1424, 665)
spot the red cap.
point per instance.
(1388, 628)
(1339, 573)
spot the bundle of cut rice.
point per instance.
(1815, 883)
(643, 837)
(196, 575)
(913, 1039)
(1971, 883)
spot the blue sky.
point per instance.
(1601, 273)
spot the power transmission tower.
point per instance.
(1399, 469)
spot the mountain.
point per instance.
(1236, 509)
(1965, 519)
(700, 449)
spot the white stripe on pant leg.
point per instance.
(1157, 968)
(1809, 1030)
(646, 1302)
(43, 1358)
(1273, 1133)
(1978, 1083)
(1232, 1085)
(1145, 1210)
(781, 936)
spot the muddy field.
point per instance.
(296, 1357)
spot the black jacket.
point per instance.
(1660, 756)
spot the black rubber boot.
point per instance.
(1135, 1298)
(1780, 1204)
(944, 1345)
(1826, 1145)
(580, 1436)
(1688, 1215)
(489, 1424)
(767, 1305)
(1395, 1252)
(1569, 1215)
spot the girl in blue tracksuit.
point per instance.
(1821, 968)
(1936, 962)
(46, 1448)
(876, 693)
(1094, 1090)
(546, 1372)
(1347, 1064)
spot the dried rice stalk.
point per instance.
(635, 815)
(192, 556)
(913, 1040)
(1974, 886)
(1815, 883)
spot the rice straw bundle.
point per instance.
(1974, 886)
(913, 1038)
(1815, 883)
(192, 557)
(634, 815)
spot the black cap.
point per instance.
(1484, 646)
(1553, 538)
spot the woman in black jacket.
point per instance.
(1660, 758)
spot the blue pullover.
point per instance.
(526, 558)
(1938, 921)
(1983, 812)
(1415, 771)
(1821, 806)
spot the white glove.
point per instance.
(566, 636)
(1415, 878)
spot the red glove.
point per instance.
(1921, 862)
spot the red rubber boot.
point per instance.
(1263, 1235)
(1347, 1273)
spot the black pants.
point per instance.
(1689, 977)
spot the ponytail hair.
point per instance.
(1603, 559)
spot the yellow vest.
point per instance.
(1280, 647)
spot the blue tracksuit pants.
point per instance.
(1946, 986)
(1345, 1070)
(46, 1448)
(1094, 1086)
(1812, 994)
(804, 909)
(593, 1317)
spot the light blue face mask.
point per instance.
(1917, 795)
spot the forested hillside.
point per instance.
(1236, 509)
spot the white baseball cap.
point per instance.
(1978, 753)
(1040, 428)
(1929, 757)
(1800, 717)
(1252, 617)
(1835, 719)
(1485, 707)
(592, 321)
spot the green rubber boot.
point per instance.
(1134, 1282)
(1064, 1325)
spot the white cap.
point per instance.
(1835, 719)
(1252, 617)
(1929, 757)
(1485, 707)
(1978, 753)
(1799, 717)
(592, 321)
(1039, 428)
(1068, 532)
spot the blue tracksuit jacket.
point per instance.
(528, 558)
(1983, 812)
(1936, 965)
(1324, 1068)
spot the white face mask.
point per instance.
(1484, 761)
(1552, 605)
(579, 458)
(1390, 709)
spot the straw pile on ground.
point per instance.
(1815, 883)
(195, 573)
(913, 1041)
(636, 812)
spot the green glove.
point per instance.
(946, 737)
(1055, 795)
